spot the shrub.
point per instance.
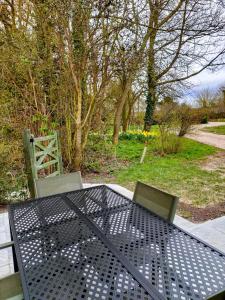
(137, 135)
(138, 118)
(168, 122)
(12, 177)
(172, 144)
(204, 120)
(217, 116)
(201, 115)
(185, 119)
(169, 144)
(98, 152)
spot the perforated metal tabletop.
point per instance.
(97, 244)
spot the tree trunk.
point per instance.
(151, 96)
(124, 118)
(150, 108)
(128, 115)
(119, 110)
(78, 151)
(78, 132)
(116, 127)
(125, 125)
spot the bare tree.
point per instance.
(86, 54)
(132, 46)
(206, 98)
(185, 39)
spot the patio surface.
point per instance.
(212, 232)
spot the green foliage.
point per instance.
(200, 115)
(45, 125)
(217, 120)
(191, 150)
(56, 62)
(204, 120)
(12, 177)
(138, 118)
(137, 135)
(171, 144)
(6, 130)
(99, 154)
(129, 150)
(169, 123)
(150, 108)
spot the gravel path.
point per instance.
(208, 138)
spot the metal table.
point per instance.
(97, 244)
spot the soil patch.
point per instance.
(105, 171)
(215, 162)
(98, 178)
(201, 214)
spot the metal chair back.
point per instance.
(155, 200)
(59, 184)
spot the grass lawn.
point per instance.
(180, 174)
(217, 129)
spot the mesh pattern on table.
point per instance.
(178, 265)
(63, 259)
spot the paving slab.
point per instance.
(211, 236)
(218, 224)
(184, 223)
(6, 261)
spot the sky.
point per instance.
(205, 80)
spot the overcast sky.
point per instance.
(206, 80)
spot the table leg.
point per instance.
(15, 264)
